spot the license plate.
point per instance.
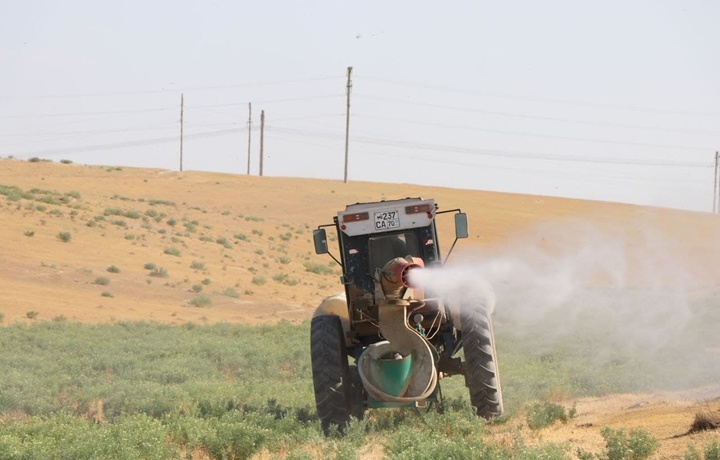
(387, 220)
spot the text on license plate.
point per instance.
(387, 220)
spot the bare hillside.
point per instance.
(246, 237)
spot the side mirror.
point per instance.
(320, 240)
(461, 225)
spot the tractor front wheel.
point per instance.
(331, 377)
(481, 372)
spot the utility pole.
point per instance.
(347, 122)
(182, 107)
(715, 189)
(262, 140)
(249, 134)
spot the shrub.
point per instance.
(32, 314)
(161, 202)
(638, 445)
(66, 162)
(107, 294)
(257, 232)
(286, 236)
(171, 222)
(712, 451)
(240, 236)
(29, 233)
(319, 269)
(197, 288)
(149, 266)
(285, 279)
(259, 280)
(541, 415)
(224, 242)
(201, 301)
(206, 281)
(197, 265)
(230, 292)
(172, 251)
(159, 272)
(102, 281)
(113, 269)
(65, 237)
(284, 260)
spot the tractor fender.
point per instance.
(336, 305)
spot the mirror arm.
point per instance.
(450, 251)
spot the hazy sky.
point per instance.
(613, 100)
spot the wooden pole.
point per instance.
(262, 140)
(182, 109)
(347, 122)
(715, 189)
(249, 135)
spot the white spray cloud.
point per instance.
(630, 288)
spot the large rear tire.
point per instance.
(481, 371)
(331, 377)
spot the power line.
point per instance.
(546, 100)
(537, 117)
(135, 143)
(495, 152)
(129, 111)
(164, 90)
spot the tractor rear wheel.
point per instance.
(481, 372)
(331, 377)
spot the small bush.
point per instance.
(197, 265)
(149, 266)
(65, 237)
(206, 281)
(240, 236)
(259, 280)
(66, 162)
(318, 269)
(32, 314)
(712, 451)
(638, 445)
(29, 233)
(171, 222)
(286, 236)
(230, 292)
(172, 251)
(224, 242)
(201, 301)
(285, 279)
(113, 269)
(541, 415)
(107, 294)
(257, 232)
(159, 272)
(197, 288)
(102, 281)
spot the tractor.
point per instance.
(402, 337)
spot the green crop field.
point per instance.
(152, 391)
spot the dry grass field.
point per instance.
(96, 244)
